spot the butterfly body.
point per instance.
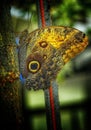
(44, 52)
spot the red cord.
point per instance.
(43, 22)
(52, 108)
(42, 14)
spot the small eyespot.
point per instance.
(33, 66)
(44, 57)
(43, 44)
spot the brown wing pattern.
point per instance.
(45, 51)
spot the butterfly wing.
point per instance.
(45, 51)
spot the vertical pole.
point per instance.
(44, 18)
(51, 94)
(11, 116)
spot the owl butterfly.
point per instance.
(44, 52)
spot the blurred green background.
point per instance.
(74, 79)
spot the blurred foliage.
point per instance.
(63, 12)
(68, 12)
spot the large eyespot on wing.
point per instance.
(34, 66)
